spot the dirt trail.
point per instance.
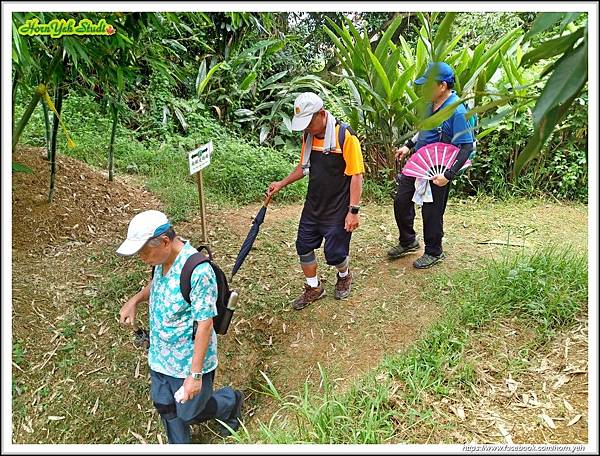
(54, 262)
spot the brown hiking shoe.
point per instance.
(310, 294)
(343, 286)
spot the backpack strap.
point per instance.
(342, 133)
(185, 279)
(305, 157)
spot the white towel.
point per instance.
(328, 145)
(422, 192)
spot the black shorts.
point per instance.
(311, 234)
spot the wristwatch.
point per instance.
(354, 209)
(196, 375)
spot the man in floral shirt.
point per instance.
(182, 365)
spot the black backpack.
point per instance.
(224, 313)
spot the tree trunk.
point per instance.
(47, 129)
(58, 105)
(111, 163)
(14, 98)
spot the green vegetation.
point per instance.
(546, 289)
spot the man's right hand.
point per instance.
(402, 152)
(127, 313)
(274, 188)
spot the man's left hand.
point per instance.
(440, 180)
(191, 388)
(352, 222)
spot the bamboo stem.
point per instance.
(58, 105)
(47, 129)
(111, 163)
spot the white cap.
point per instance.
(305, 106)
(143, 226)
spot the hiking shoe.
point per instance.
(343, 286)
(400, 251)
(426, 261)
(310, 294)
(236, 414)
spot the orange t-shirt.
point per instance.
(352, 152)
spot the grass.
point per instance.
(240, 171)
(547, 289)
(269, 280)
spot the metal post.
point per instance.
(202, 207)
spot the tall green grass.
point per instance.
(546, 289)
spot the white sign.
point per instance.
(200, 158)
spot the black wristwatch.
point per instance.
(354, 209)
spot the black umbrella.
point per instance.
(247, 245)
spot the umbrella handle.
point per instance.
(267, 200)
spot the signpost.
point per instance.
(198, 160)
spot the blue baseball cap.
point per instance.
(438, 71)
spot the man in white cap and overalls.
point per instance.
(331, 156)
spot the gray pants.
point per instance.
(178, 417)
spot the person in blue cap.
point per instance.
(437, 84)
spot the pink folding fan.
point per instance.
(431, 160)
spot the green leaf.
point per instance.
(493, 121)
(391, 65)
(180, 118)
(552, 47)
(425, 39)
(383, 46)
(287, 122)
(346, 59)
(248, 80)
(442, 35)
(381, 74)
(569, 17)
(201, 72)
(175, 45)
(408, 55)
(370, 91)
(421, 57)
(272, 79)
(120, 80)
(490, 105)
(243, 112)
(353, 90)
(476, 69)
(442, 54)
(206, 79)
(436, 119)
(20, 168)
(400, 84)
(540, 134)
(264, 132)
(275, 48)
(544, 21)
(568, 78)
(126, 38)
(341, 32)
(477, 53)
